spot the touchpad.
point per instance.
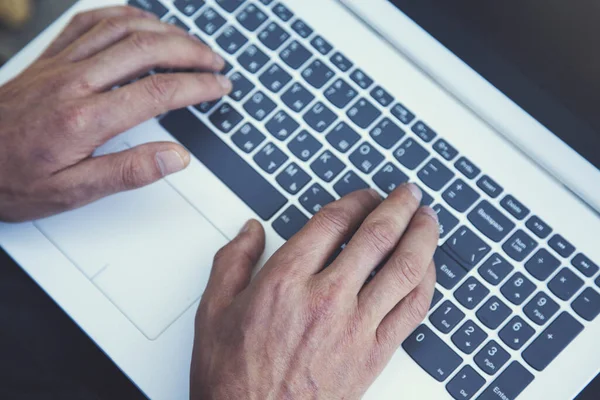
(149, 251)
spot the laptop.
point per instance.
(331, 96)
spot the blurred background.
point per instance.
(22, 20)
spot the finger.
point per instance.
(376, 238)
(323, 235)
(112, 30)
(233, 265)
(83, 22)
(143, 51)
(122, 109)
(408, 314)
(99, 177)
(404, 270)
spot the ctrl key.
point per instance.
(431, 353)
(509, 384)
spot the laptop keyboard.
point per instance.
(304, 126)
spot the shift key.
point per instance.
(226, 164)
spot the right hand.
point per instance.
(298, 331)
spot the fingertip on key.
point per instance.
(224, 82)
(416, 192)
(430, 212)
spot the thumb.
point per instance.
(233, 265)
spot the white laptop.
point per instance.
(331, 96)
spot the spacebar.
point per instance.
(226, 164)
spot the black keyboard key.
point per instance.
(431, 353)
(327, 166)
(206, 106)
(320, 117)
(517, 289)
(467, 248)
(437, 297)
(493, 313)
(467, 168)
(382, 96)
(447, 221)
(282, 126)
(471, 293)
(343, 137)
(446, 317)
(259, 106)
(295, 55)
(542, 264)
(444, 149)
(411, 154)
(386, 133)
(468, 337)
(302, 29)
(555, 338)
(153, 6)
(389, 178)
(275, 78)
(341, 62)
(229, 167)
(490, 221)
(423, 131)
(491, 358)
(340, 94)
(510, 383)
(539, 227)
(349, 183)
(230, 5)
(297, 97)
(465, 384)
(273, 36)
(449, 272)
(173, 20)
(460, 196)
(253, 59)
(304, 146)
(189, 7)
(561, 246)
(489, 186)
(248, 138)
(585, 265)
(315, 198)
(366, 158)
(283, 12)
(587, 304)
(252, 17)
(270, 158)
(403, 114)
(226, 118)
(266, 2)
(317, 74)
(519, 246)
(363, 80)
(293, 179)
(516, 333)
(565, 284)
(241, 86)
(363, 113)
(227, 68)
(435, 174)
(495, 269)
(290, 222)
(321, 45)
(231, 40)
(541, 308)
(513, 206)
(427, 200)
(210, 21)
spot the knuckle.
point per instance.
(115, 25)
(333, 219)
(407, 269)
(417, 307)
(324, 303)
(381, 234)
(134, 175)
(161, 88)
(82, 19)
(72, 118)
(144, 41)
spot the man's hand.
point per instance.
(298, 331)
(56, 113)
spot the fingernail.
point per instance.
(218, 62)
(416, 192)
(245, 228)
(431, 212)
(224, 82)
(169, 162)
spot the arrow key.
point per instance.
(468, 337)
(471, 293)
(516, 333)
